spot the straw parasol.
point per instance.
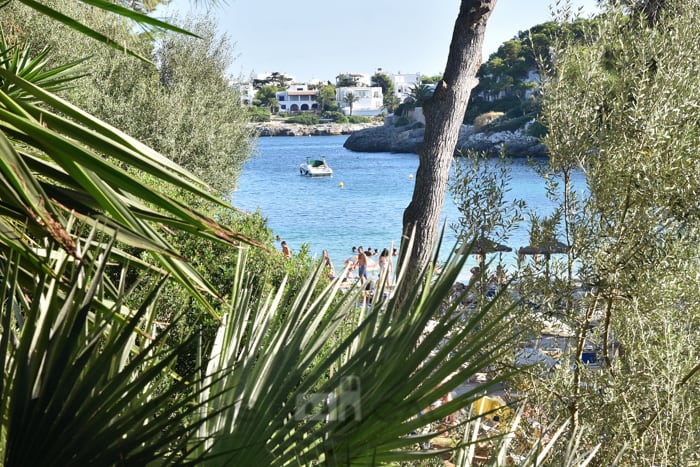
(483, 246)
(551, 248)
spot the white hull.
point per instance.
(316, 168)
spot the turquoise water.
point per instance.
(361, 204)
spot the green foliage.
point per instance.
(359, 119)
(617, 106)
(503, 79)
(382, 340)
(425, 79)
(401, 121)
(259, 114)
(345, 81)
(305, 118)
(326, 99)
(266, 96)
(512, 124)
(419, 94)
(185, 109)
(276, 80)
(536, 129)
(336, 116)
(350, 99)
(79, 366)
(479, 186)
(391, 103)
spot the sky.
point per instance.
(320, 39)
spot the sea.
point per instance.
(362, 204)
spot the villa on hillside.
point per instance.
(246, 91)
(403, 83)
(370, 101)
(360, 79)
(298, 98)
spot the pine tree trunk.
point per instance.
(444, 114)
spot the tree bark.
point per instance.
(444, 114)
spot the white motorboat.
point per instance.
(316, 168)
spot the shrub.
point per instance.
(401, 121)
(337, 117)
(304, 119)
(359, 119)
(511, 124)
(536, 129)
(259, 114)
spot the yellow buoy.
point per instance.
(410, 176)
(341, 185)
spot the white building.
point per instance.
(404, 83)
(369, 103)
(247, 92)
(298, 98)
(360, 79)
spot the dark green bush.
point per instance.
(359, 119)
(401, 121)
(536, 129)
(304, 119)
(259, 114)
(510, 124)
(336, 116)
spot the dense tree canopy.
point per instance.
(619, 106)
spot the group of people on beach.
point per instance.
(363, 258)
(357, 264)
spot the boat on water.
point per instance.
(316, 168)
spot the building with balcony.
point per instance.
(297, 98)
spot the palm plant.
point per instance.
(311, 382)
(57, 161)
(81, 371)
(350, 99)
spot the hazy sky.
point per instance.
(318, 39)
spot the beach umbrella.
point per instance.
(483, 246)
(552, 248)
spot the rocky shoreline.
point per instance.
(277, 128)
(378, 137)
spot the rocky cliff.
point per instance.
(389, 138)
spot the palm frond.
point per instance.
(65, 162)
(138, 17)
(75, 370)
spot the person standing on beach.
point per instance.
(361, 264)
(385, 266)
(328, 264)
(285, 250)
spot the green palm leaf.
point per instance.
(106, 5)
(56, 163)
(77, 389)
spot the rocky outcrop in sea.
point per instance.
(389, 138)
